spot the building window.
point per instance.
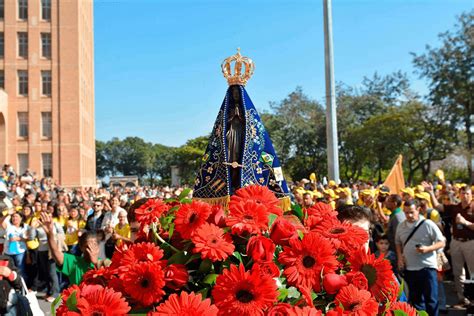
(2, 9)
(46, 82)
(22, 163)
(23, 44)
(47, 126)
(23, 124)
(23, 9)
(46, 45)
(47, 165)
(46, 10)
(23, 82)
(2, 79)
(2, 44)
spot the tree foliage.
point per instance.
(449, 71)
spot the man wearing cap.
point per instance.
(408, 194)
(462, 242)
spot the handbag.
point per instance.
(28, 302)
(443, 262)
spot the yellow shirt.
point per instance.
(124, 232)
(72, 229)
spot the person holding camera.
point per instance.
(417, 241)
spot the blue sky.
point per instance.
(157, 62)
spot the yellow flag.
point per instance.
(395, 180)
(312, 177)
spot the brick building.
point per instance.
(47, 74)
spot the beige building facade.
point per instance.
(47, 77)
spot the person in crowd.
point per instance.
(15, 240)
(383, 249)
(394, 203)
(417, 241)
(32, 245)
(47, 276)
(74, 227)
(462, 242)
(10, 282)
(307, 200)
(94, 220)
(122, 232)
(70, 265)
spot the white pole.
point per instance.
(331, 115)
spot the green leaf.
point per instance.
(400, 313)
(71, 302)
(271, 219)
(193, 257)
(204, 292)
(170, 230)
(293, 292)
(300, 233)
(205, 266)
(55, 305)
(177, 258)
(184, 194)
(297, 210)
(283, 294)
(400, 290)
(422, 313)
(210, 278)
(238, 256)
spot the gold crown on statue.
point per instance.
(239, 76)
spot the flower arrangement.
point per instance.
(192, 258)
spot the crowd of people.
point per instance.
(427, 232)
(50, 235)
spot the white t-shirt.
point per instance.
(15, 247)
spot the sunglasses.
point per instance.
(97, 204)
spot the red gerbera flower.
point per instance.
(186, 304)
(378, 273)
(259, 194)
(358, 279)
(344, 236)
(358, 302)
(150, 211)
(247, 216)
(321, 211)
(136, 253)
(240, 292)
(306, 311)
(100, 276)
(97, 300)
(404, 307)
(176, 276)
(284, 309)
(191, 216)
(144, 282)
(212, 242)
(305, 260)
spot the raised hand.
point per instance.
(46, 222)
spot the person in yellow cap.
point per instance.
(426, 209)
(307, 199)
(408, 194)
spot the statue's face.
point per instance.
(235, 93)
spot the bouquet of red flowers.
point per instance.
(192, 258)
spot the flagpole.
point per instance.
(331, 115)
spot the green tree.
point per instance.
(102, 164)
(296, 126)
(188, 157)
(449, 71)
